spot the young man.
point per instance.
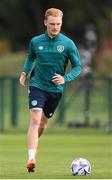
(48, 56)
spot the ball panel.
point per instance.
(80, 167)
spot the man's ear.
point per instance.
(45, 22)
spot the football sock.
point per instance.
(31, 154)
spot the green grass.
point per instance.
(60, 145)
(56, 152)
(11, 63)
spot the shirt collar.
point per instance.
(51, 38)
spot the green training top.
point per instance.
(48, 56)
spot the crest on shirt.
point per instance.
(60, 48)
(41, 47)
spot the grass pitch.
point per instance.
(56, 152)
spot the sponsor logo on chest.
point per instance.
(40, 47)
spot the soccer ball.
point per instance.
(80, 167)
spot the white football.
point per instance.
(80, 167)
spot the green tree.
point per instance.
(22, 19)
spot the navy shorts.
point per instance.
(48, 101)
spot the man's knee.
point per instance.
(36, 117)
(44, 121)
(43, 125)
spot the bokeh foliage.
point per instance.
(22, 19)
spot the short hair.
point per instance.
(53, 12)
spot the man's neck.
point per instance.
(51, 36)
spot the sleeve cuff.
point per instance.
(24, 73)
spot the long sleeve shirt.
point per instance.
(48, 56)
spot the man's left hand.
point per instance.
(58, 79)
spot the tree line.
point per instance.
(20, 20)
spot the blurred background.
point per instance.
(87, 102)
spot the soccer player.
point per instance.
(49, 54)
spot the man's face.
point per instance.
(53, 25)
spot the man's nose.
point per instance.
(55, 26)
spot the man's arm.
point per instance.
(74, 57)
(27, 65)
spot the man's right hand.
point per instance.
(22, 79)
